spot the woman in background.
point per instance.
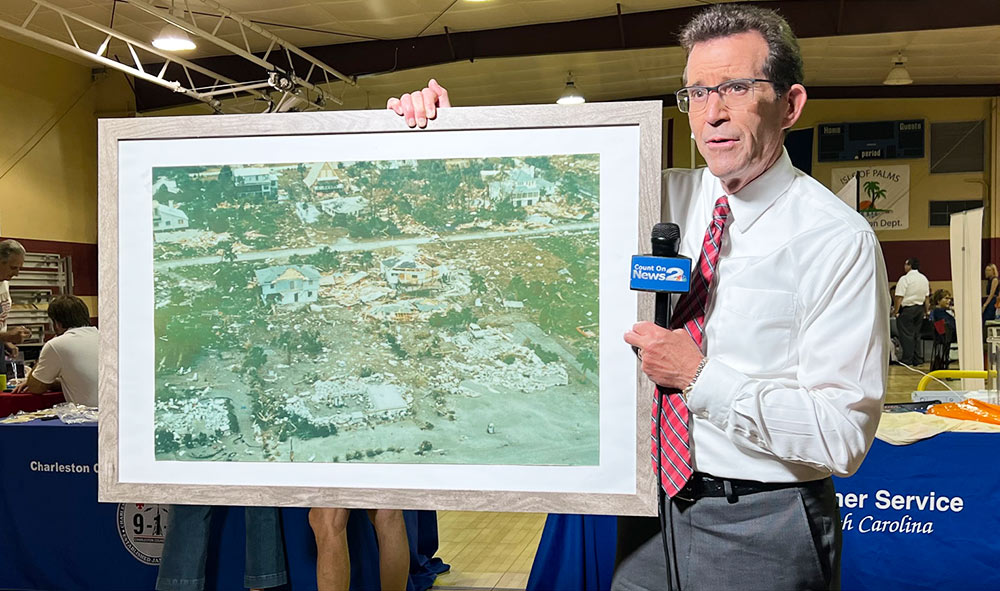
(945, 329)
(990, 303)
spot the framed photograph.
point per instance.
(332, 309)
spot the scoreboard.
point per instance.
(870, 140)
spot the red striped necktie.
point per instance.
(672, 424)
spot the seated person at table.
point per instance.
(942, 308)
(945, 329)
(11, 259)
(69, 359)
(333, 564)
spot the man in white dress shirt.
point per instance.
(787, 387)
(910, 306)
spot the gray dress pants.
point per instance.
(782, 540)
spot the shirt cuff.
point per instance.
(711, 397)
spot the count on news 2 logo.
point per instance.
(142, 528)
(668, 274)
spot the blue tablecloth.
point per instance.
(948, 537)
(54, 535)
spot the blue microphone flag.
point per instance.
(660, 274)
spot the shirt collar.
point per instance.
(77, 329)
(751, 201)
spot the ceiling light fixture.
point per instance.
(571, 96)
(898, 76)
(172, 38)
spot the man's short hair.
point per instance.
(9, 248)
(914, 264)
(784, 59)
(69, 311)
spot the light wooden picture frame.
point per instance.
(331, 309)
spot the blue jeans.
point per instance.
(185, 550)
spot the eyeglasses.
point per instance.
(733, 93)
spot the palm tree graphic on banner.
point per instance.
(874, 192)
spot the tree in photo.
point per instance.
(255, 359)
(299, 341)
(227, 249)
(227, 183)
(327, 259)
(587, 360)
(505, 211)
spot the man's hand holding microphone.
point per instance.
(669, 357)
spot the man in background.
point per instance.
(69, 360)
(911, 305)
(11, 259)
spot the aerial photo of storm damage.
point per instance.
(440, 311)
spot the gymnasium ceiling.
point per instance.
(520, 51)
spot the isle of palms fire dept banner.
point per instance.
(883, 197)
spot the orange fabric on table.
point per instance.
(969, 410)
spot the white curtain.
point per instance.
(966, 256)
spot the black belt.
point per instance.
(705, 485)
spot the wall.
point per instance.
(48, 176)
(48, 154)
(920, 240)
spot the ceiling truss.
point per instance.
(175, 73)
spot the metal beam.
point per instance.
(274, 39)
(809, 19)
(245, 53)
(220, 84)
(137, 72)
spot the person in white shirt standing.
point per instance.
(11, 260)
(911, 305)
(776, 379)
(780, 370)
(69, 360)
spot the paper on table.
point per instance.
(907, 427)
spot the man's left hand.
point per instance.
(419, 106)
(669, 357)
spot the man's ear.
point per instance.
(795, 100)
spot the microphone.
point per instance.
(666, 239)
(663, 272)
